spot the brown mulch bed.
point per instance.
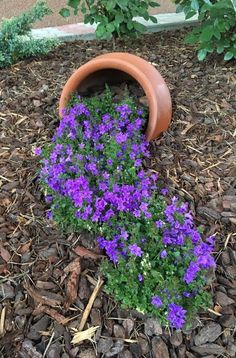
(196, 158)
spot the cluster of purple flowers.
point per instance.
(95, 162)
(85, 174)
(177, 230)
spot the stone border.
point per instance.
(81, 31)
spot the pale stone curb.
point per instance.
(81, 31)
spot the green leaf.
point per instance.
(202, 54)
(207, 33)
(179, 8)
(110, 27)
(153, 19)
(190, 38)
(83, 9)
(208, 2)
(122, 4)
(73, 3)
(195, 5)
(110, 5)
(234, 4)
(119, 17)
(153, 4)
(228, 56)
(130, 25)
(190, 14)
(220, 49)
(64, 12)
(217, 34)
(100, 31)
(139, 27)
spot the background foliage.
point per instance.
(14, 46)
(217, 29)
(114, 17)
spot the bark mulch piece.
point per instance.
(40, 269)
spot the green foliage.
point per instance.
(93, 179)
(114, 17)
(15, 41)
(217, 29)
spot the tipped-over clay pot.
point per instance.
(117, 67)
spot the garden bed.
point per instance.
(196, 159)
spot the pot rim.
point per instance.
(102, 63)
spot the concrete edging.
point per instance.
(81, 31)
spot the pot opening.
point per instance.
(121, 84)
(97, 80)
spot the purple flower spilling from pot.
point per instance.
(94, 179)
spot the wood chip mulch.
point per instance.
(41, 269)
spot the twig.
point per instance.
(2, 321)
(214, 312)
(90, 304)
(48, 345)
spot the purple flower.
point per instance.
(163, 254)
(124, 234)
(48, 198)
(176, 315)
(164, 191)
(191, 272)
(49, 215)
(38, 151)
(186, 294)
(140, 277)
(210, 240)
(138, 163)
(159, 224)
(110, 248)
(121, 138)
(110, 162)
(144, 207)
(157, 301)
(135, 250)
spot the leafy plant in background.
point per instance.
(15, 41)
(93, 177)
(216, 31)
(114, 17)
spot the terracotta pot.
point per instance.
(117, 67)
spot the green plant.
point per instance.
(15, 40)
(216, 31)
(114, 17)
(93, 177)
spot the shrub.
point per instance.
(217, 29)
(15, 41)
(114, 17)
(93, 177)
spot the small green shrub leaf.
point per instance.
(220, 49)
(73, 3)
(110, 5)
(216, 25)
(64, 12)
(153, 19)
(228, 56)
(119, 17)
(139, 27)
(14, 47)
(207, 33)
(122, 4)
(195, 5)
(202, 54)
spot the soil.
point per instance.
(41, 269)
